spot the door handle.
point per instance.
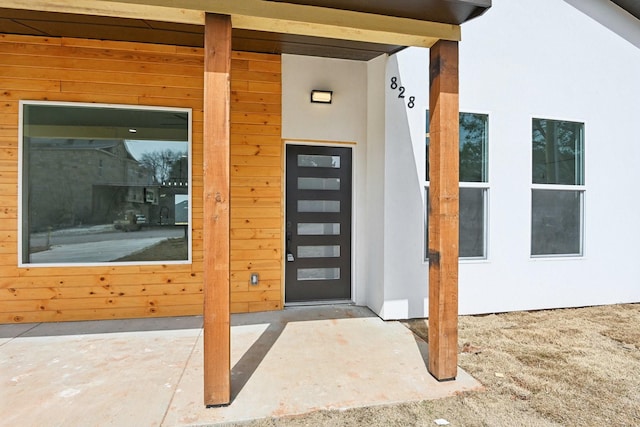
(290, 257)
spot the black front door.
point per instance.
(318, 224)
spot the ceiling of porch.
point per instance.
(58, 24)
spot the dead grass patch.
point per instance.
(569, 367)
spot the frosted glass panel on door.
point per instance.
(318, 273)
(315, 161)
(318, 183)
(318, 206)
(332, 251)
(318, 229)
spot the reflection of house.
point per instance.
(103, 181)
(182, 212)
(165, 211)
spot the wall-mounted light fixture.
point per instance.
(321, 96)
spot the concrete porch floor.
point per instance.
(148, 372)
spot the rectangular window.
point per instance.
(557, 195)
(474, 185)
(134, 207)
(557, 152)
(556, 222)
(472, 222)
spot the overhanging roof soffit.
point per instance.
(278, 17)
(448, 11)
(631, 6)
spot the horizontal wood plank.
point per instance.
(255, 107)
(273, 304)
(25, 293)
(100, 314)
(67, 304)
(255, 233)
(255, 222)
(108, 77)
(255, 139)
(254, 202)
(256, 118)
(257, 150)
(254, 56)
(107, 54)
(256, 266)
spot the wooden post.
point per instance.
(217, 342)
(443, 210)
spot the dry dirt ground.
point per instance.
(569, 367)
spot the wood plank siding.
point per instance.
(79, 70)
(256, 182)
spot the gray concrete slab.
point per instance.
(91, 379)
(9, 332)
(150, 372)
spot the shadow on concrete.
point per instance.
(243, 370)
(286, 362)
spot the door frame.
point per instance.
(318, 143)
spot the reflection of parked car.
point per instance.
(131, 222)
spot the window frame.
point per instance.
(484, 185)
(22, 220)
(579, 188)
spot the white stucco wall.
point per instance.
(405, 279)
(373, 260)
(520, 60)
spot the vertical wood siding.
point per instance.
(37, 68)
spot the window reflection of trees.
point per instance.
(556, 212)
(165, 165)
(473, 137)
(473, 158)
(85, 181)
(557, 152)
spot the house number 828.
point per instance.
(401, 89)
